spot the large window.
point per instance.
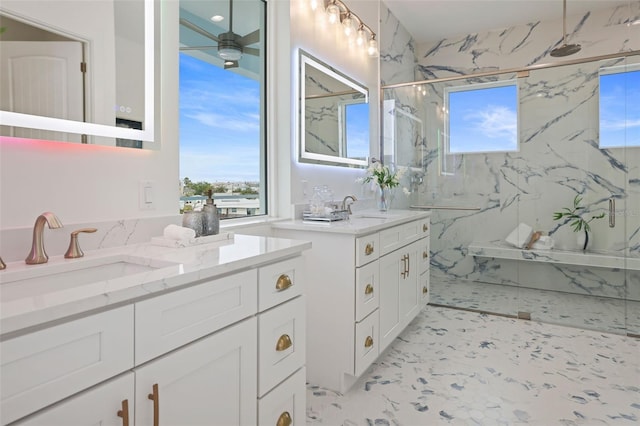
(222, 106)
(620, 106)
(482, 117)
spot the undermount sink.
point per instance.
(34, 280)
(374, 215)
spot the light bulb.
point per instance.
(349, 25)
(314, 5)
(372, 48)
(333, 11)
(360, 36)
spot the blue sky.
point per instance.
(358, 130)
(219, 123)
(482, 120)
(620, 109)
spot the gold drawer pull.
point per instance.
(425, 228)
(284, 343)
(124, 412)
(368, 289)
(425, 290)
(368, 250)
(425, 255)
(284, 419)
(155, 397)
(368, 342)
(284, 282)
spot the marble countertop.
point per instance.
(360, 222)
(27, 301)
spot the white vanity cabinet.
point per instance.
(364, 285)
(220, 351)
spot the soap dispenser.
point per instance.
(211, 219)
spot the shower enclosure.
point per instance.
(491, 151)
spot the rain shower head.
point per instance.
(565, 49)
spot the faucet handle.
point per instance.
(74, 249)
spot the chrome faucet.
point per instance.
(344, 202)
(38, 254)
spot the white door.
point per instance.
(390, 270)
(105, 405)
(209, 382)
(408, 295)
(42, 78)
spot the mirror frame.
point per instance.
(15, 119)
(305, 59)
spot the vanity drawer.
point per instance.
(46, 366)
(366, 343)
(280, 282)
(367, 295)
(423, 288)
(281, 343)
(424, 255)
(286, 401)
(398, 236)
(367, 249)
(174, 319)
(424, 226)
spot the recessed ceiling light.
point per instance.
(217, 18)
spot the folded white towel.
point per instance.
(520, 236)
(175, 232)
(544, 243)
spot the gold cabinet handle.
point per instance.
(368, 342)
(155, 397)
(284, 419)
(368, 250)
(425, 290)
(284, 282)
(124, 412)
(284, 343)
(425, 255)
(425, 228)
(368, 289)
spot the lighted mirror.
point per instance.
(77, 71)
(334, 116)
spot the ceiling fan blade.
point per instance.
(198, 47)
(251, 51)
(230, 64)
(250, 38)
(197, 29)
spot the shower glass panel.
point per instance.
(478, 198)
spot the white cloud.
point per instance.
(496, 122)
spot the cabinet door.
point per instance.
(209, 382)
(105, 405)
(390, 269)
(408, 296)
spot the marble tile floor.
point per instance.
(455, 367)
(589, 312)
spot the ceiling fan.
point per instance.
(230, 46)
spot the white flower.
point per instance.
(406, 191)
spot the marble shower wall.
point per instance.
(558, 155)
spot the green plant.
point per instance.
(383, 176)
(578, 224)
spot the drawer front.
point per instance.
(281, 343)
(423, 288)
(367, 294)
(424, 226)
(175, 319)
(280, 282)
(367, 249)
(424, 255)
(46, 366)
(366, 344)
(286, 404)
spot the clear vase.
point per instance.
(384, 198)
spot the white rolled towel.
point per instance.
(175, 232)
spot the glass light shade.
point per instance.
(360, 37)
(333, 13)
(349, 25)
(229, 54)
(372, 48)
(314, 4)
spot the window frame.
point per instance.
(605, 71)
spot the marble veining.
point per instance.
(464, 368)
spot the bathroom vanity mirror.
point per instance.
(78, 71)
(334, 116)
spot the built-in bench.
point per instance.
(501, 250)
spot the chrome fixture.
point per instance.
(74, 249)
(38, 254)
(346, 206)
(2, 264)
(565, 49)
